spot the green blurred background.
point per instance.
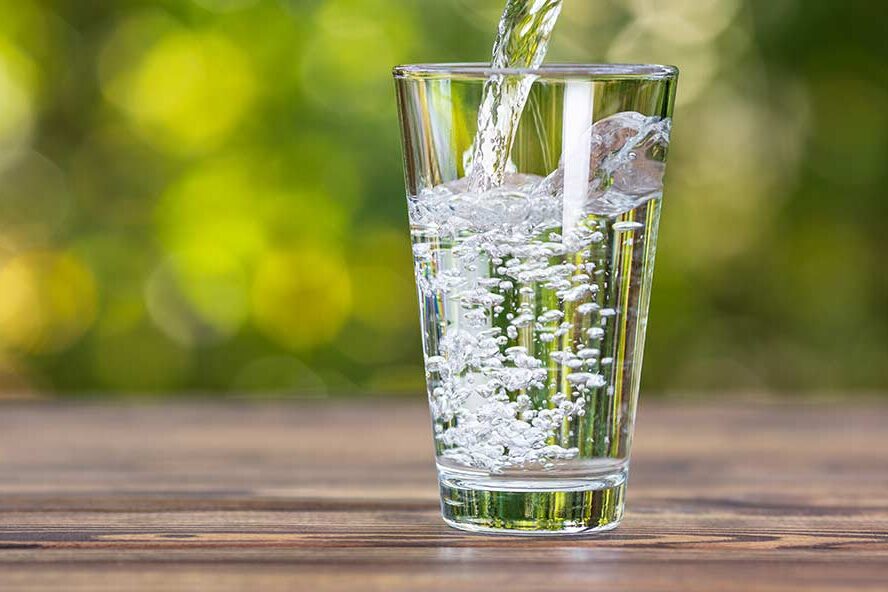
(205, 196)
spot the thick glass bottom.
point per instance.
(532, 506)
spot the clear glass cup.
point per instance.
(534, 293)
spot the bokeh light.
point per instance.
(685, 22)
(16, 99)
(699, 63)
(196, 306)
(210, 217)
(48, 301)
(301, 298)
(206, 195)
(348, 47)
(185, 91)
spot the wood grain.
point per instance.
(341, 496)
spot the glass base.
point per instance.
(538, 506)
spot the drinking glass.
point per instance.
(534, 292)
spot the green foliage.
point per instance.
(206, 195)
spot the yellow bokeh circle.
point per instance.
(48, 302)
(209, 217)
(184, 90)
(301, 298)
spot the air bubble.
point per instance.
(626, 226)
(595, 333)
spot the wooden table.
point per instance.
(341, 496)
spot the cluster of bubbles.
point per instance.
(513, 301)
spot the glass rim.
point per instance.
(482, 71)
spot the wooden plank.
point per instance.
(341, 496)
